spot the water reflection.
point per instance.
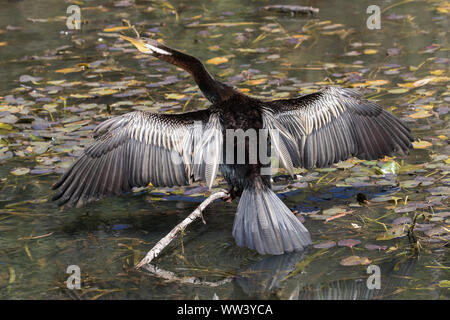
(264, 278)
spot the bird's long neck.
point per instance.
(213, 90)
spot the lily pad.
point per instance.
(20, 171)
(325, 245)
(348, 243)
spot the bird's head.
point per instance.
(148, 46)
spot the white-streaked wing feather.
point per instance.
(335, 124)
(134, 150)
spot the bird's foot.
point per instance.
(231, 195)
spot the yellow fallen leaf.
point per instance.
(421, 114)
(406, 85)
(421, 144)
(440, 79)
(175, 96)
(80, 96)
(114, 29)
(3, 43)
(5, 126)
(370, 51)
(9, 108)
(217, 60)
(103, 91)
(12, 275)
(377, 82)
(300, 36)
(214, 48)
(256, 82)
(437, 72)
(442, 137)
(444, 9)
(71, 69)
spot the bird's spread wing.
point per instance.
(335, 124)
(139, 148)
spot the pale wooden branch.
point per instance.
(164, 242)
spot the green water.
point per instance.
(38, 240)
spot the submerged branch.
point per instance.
(168, 275)
(292, 9)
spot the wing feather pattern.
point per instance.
(139, 148)
(335, 124)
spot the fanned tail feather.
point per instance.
(264, 223)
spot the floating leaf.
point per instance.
(325, 245)
(355, 261)
(256, 82)
(379, 82)
(421, 144)
(28, 78)
(5, 126)
(375, 247)
(348, 243)
(70, 70)
(175, 96)
(333, 211)
(422, 82)
(391, 167)
(370, 51)
(20, 171)
(115, 29)
(103, 91)
(217, 60)
(396, 232)
(437, 72)
(421, 114)
(398, 91)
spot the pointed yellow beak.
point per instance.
(139, 44)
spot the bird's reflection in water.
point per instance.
(264, 279)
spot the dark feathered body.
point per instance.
(241, 112)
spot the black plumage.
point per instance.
(314, 130)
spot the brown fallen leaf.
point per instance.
(355, 261)
(339, 215)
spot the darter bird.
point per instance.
(314, 130)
